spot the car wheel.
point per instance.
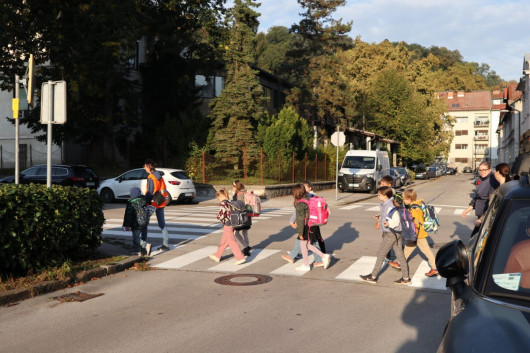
(107, 196)
(169, 199)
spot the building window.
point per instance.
(462, 146)
(461, 133)
(461, 160)
(210, 86)
(461, 119)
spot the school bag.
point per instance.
(143, 212)
(430, 218)
(238, 215)
(408, 229)
(318, 211)
(253, 204)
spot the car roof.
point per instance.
(515, 189)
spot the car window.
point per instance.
(30, 171)
(510, 272)
(485, 231)
(59, 171)
(180, 175)
(420, 170)
(84, 172)
(135, 174)
(359, 162)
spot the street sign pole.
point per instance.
(49, 147)
(338, 139)
(15, 115)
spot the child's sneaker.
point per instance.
(287, 258)
(432, 273)
(148, 249)
(403, 281)
(394, 264)
(368, 278)
(239, 262)
(215, 258)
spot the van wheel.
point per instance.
(374, 189)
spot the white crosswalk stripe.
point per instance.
(372, 208)
(230, 266)
(184, 260)
(419, 280)
(290, 269)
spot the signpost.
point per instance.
(52, 111)
(337, 139)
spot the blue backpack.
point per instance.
(430, 218)
(408, 229)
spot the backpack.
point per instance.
(408, 229)
(143, 212)
(318, 211)
(253, 204)
(430, 218)
(238, 215)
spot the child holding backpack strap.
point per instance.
(390, 239)
(239, 194)
(304, 233)
(130, 222)
(414, 206)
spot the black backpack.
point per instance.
(238, 215)
(408, 228)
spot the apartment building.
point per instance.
(476, 119)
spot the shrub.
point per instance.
(42, 227)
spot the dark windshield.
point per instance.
(359, 162)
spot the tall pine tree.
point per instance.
(237, 111)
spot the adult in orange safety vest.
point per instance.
(155, 183)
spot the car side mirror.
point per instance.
(452, 263)
(379, 167)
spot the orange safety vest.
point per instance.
(159, 185)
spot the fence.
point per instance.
(28, 156)
(280, 169)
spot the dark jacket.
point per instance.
(129, 218)
(480, 201)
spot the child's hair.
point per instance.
(298, 192)
(221, 192)
(238, 185)
(308, 184)
(387, 179)
(385, 190)
(410, 194)
(504, 169)
(150, 164)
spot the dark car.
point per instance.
(66, 175)
(404, 175)
(425, 173)
(490, 278)
(467, 169)
(396, 183)
(451, 171)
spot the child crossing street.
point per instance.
(130, 223)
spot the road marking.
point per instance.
(419, 280)
(459, 211)
(186, 259)
(255, 256)
(125, 233)
(290, 269)
(375, 208)
(363, 266)
(349, 207)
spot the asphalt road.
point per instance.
(178, 307)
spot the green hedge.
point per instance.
(42, 227)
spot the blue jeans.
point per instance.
(161, 223)
(139, 243)
(296, 250)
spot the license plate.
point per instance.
(90, 183)
(355, 185)
(189, 194)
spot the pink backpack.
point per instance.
(253, 204)
(318, 211)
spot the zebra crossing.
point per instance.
(362, 266)
(444, 209)
(189, 223)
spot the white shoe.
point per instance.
(326, 260)
(303, 268)
(215, 258)
(239, 262)
(148, 249)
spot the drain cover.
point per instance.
(243, 280)
(76, 297)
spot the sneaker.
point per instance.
(432, 273)
(287, 258)
(246, 251)
(318, 264)
(164, 248)
(148, 249)
(403, 281)
(215, 258)
(395, 265)
(143, 252)
(303, 268)
(326, 260)
(368, 278)
(239, 262)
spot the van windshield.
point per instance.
(359, 162)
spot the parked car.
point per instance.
(451, 171)
(467, 169)
(425, 173)
(66, 175)
(396, 183)
(404, 175)
(490, 278)
(179, 185)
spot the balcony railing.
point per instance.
(482, 137)
(482, 122)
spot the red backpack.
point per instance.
(254, 204)
(318, 211)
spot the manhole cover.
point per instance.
(243, 280)
(76, 297)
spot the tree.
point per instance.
(272, 48)
(237, 112)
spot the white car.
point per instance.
(179, 185)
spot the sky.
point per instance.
(493, 32)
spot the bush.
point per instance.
(42, 227)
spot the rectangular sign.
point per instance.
(53, 102)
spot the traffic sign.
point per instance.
(53, 102)
(338, 138)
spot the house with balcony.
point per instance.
(472, 142)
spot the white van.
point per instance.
(362, 170)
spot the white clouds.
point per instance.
(495, 32)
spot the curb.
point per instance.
(19, 294)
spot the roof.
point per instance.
(466, 101)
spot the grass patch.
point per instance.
(64, 272)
